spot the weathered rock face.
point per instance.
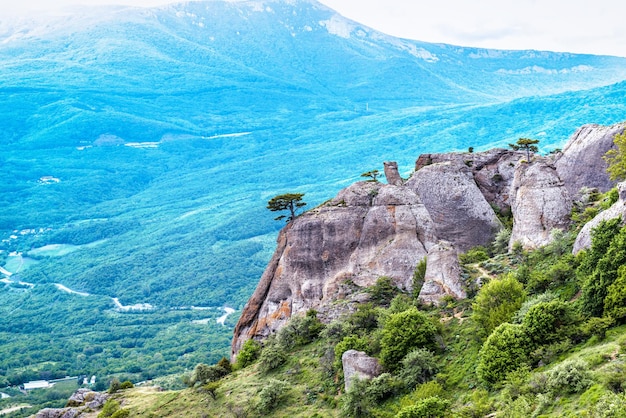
(391, 173)
(371, 229)
(581, 163)
(443, 275)
(457, 207)
(358, 365)
(617, 210)
(492, 170)
(540, 203)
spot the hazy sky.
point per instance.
(585, 26)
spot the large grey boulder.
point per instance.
(455, 203)
(617, 210)
(58, 413)
(369, 230)
(581, 163)
(358, 365)
(540, 203)
(493, 170)
(443, 275)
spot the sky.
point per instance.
(580, 26)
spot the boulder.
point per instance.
(540, 203)
(617, 210)
(443, 275)
(358, 365)
(581, 163)
(58, 413)
(369, 230)
(460, 213)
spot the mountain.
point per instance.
(139, 148)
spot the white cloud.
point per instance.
(580, 26)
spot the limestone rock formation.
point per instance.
(455, 203)
(540, 203)
(617, 210)
(358, 365)
(392, 174)
(443, 275)
(58, 413)
(581, 163)
(371, 229)
(492, 170)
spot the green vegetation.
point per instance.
(289, 201)
(616, 158)
(372, 175)
(526, 144)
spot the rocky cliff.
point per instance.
(448, 205)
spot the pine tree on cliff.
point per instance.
(616, 158)
(288, 201)
(526, 144)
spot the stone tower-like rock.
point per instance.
(540, 203)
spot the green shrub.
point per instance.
(383, 291)
(109, 408)
(433, 407)
(535, 300)
(211, 388)
(355, 403)
(610, 405)
(351, 342)
(272, 357)
(300, 330)
(599, 265)
(204, 373)
(271, 396)
(474, 255)
(548, 322)
(571, 376)
(383, 387)
(615, 300)
(596, 327)
(505, 350)
(500, 243)
(121, 413)
(364, 319)
(419, 275)
(497, 302)
(418, 367)
(249, 352)
(403, 332)
(224, 363)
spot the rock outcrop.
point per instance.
(581, 163)
(358, 365)
(371, 229)
(617, 210)
(391, 173)
(443, 275)
(82, 403)
(540, 203)
(459, 210)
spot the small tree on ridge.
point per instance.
(526, 144)
(288, 201)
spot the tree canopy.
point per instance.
(616, 158)
(526, 144)
(288, 201)
(373, 174)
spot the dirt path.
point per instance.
(14, 408)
